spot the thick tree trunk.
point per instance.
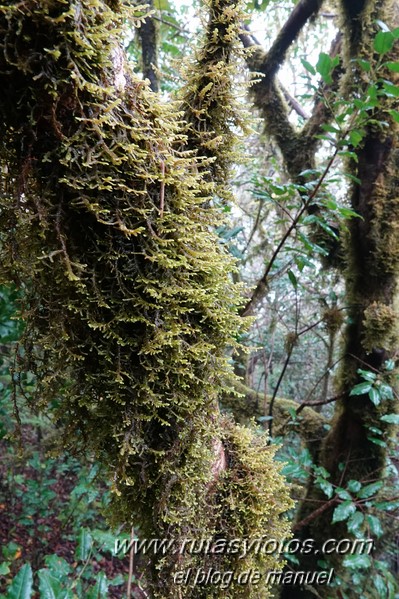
(106, 227)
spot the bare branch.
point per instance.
(293, 103)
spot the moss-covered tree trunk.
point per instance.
(106, 228)
(350, 452)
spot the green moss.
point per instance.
(379, 326)
(333, 319)
(247, 404)
(107, 220)
(211, 107)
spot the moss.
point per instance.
(379, 326)
(212, 112)
(333, 319)
(246, 505)
(106, 226)
(246, 404)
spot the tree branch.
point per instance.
(149, 49)
(303, 11)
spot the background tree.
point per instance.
(360, 99)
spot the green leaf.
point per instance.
(84, 546)
(294, 471)
(58, 566)
(343, 494)
(383, 41)
(264, 418)
(377, 441)
(361, 389)
(355, 137)
(330, 128)
(21, 586)
(390, 418)
(385, 391)
(375, 525)
(353, 486)
(393, 66)
(357, 561)
(330, 204)
(293, 279)
(308, 66)
(352, 156)
(301, 261)
(343, 511)
(4, 568)
(391, 90)
(375, 430)
(367, 374)
(321, 471)
(326, 487)
(364, 64)
(375, 396)
(370, 490)
(389, 365)
(100, 589)
(324, 67)
(355, 522)
(348, 213)
(50, 587)
(117, 580)
(230, 233)
(311, 247)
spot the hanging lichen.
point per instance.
(128, 297)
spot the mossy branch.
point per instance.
(273, 59)
(247, 404)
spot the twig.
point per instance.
(162, 191)
(293, 103)
(131, 565)
(315, 514)
(280, 378)
(322, 402)
(262, 284)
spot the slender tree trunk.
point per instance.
(348, 452)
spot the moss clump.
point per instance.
(333, 319)
(379, 326)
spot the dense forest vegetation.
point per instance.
(199, 254)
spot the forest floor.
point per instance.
(51, 517)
